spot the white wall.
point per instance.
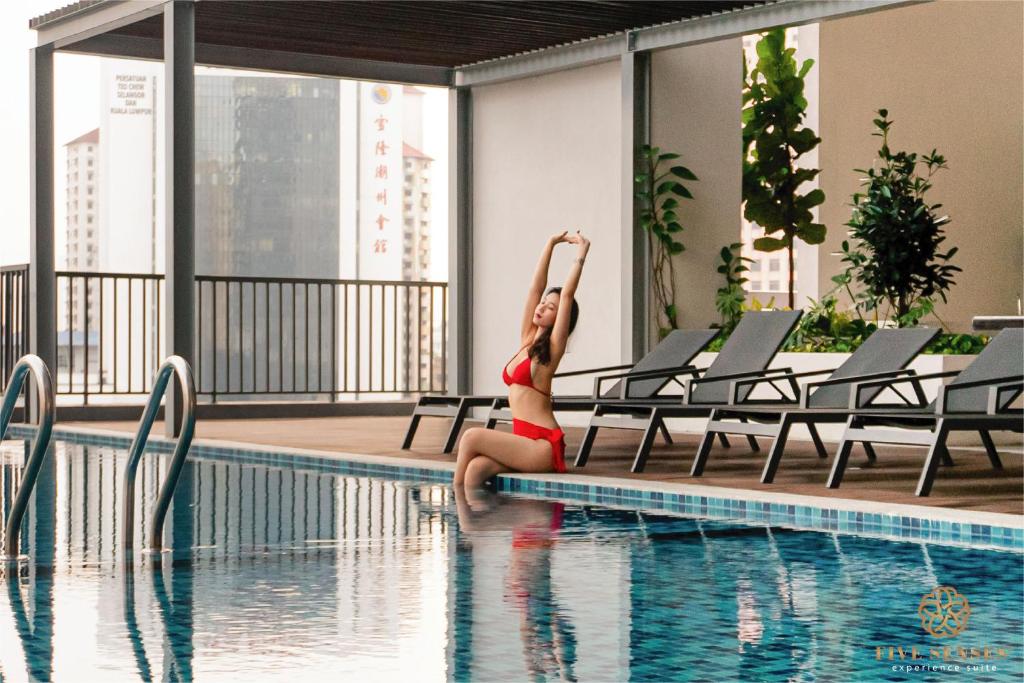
(695, 112)
(546, 157)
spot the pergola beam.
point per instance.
(180, 190)
(460, 240)
(756, 19)
(677, 34)
(96, 20)
(42, 281)
(277, 61)
(636, 132)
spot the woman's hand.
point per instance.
(580, 240)
(558, 238)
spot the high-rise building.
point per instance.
(83, 227)
(267, 174)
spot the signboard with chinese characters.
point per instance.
(380, 181)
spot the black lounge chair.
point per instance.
(978, 400)
(884, 354)
(746, 354)
(670, 358)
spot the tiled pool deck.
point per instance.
(958, 513)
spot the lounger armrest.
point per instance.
(946, 390)
(996, 391)
(637, 376)
(791, 377)
(690, 384)
(810, 387)
(590, 371)
(642, 374)
(903, 377)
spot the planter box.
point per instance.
(804, 362)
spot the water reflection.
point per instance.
(545, 629)
(284, 573)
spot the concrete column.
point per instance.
(460, 241)
(42, 284)
(636, 75)
(179, 140)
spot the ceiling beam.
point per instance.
(95, 20)
(276, 61)
(757, 19)
(677, 34)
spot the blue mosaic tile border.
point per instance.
(799, 516)
(157, 444)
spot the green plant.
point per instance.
(773, 140)
(658, 193)
(897, 256)
(947, 344)
(823, 328)
(729, 298)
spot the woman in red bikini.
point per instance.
(536, 443)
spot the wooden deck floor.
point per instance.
(971, 484)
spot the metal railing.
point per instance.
(304, 338)
(174, 365)
(13, 318)
(319, 337)
(47, 412)
(109, 337)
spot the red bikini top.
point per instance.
(522, 374)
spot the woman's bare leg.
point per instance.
(480, 469)
(517, 453)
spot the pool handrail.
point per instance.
(173, 365)
(47, 412)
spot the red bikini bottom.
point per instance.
(555, 436)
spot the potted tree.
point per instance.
(898, 256)
(774, 138)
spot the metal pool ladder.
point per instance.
(47, 410)
(173, 365)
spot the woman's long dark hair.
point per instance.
(541, 349)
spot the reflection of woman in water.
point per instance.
(548, 637)
(536, 443)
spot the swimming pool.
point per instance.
(284, 571)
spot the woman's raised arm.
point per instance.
(560, 331)
(537, 285)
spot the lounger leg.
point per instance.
(835, 478)
(869, 450)
(453, 433)
(947, 459)
(640, 461)
(778, 446)
(816, 438)
(411, 432)
(724, 439)
(931, 463)
(588, 440)
(990, 448)
(704, 450)
(754, 446)
(664, 433)
(492, 422)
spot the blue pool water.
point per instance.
(281, 573)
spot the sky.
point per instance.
(77, 111)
